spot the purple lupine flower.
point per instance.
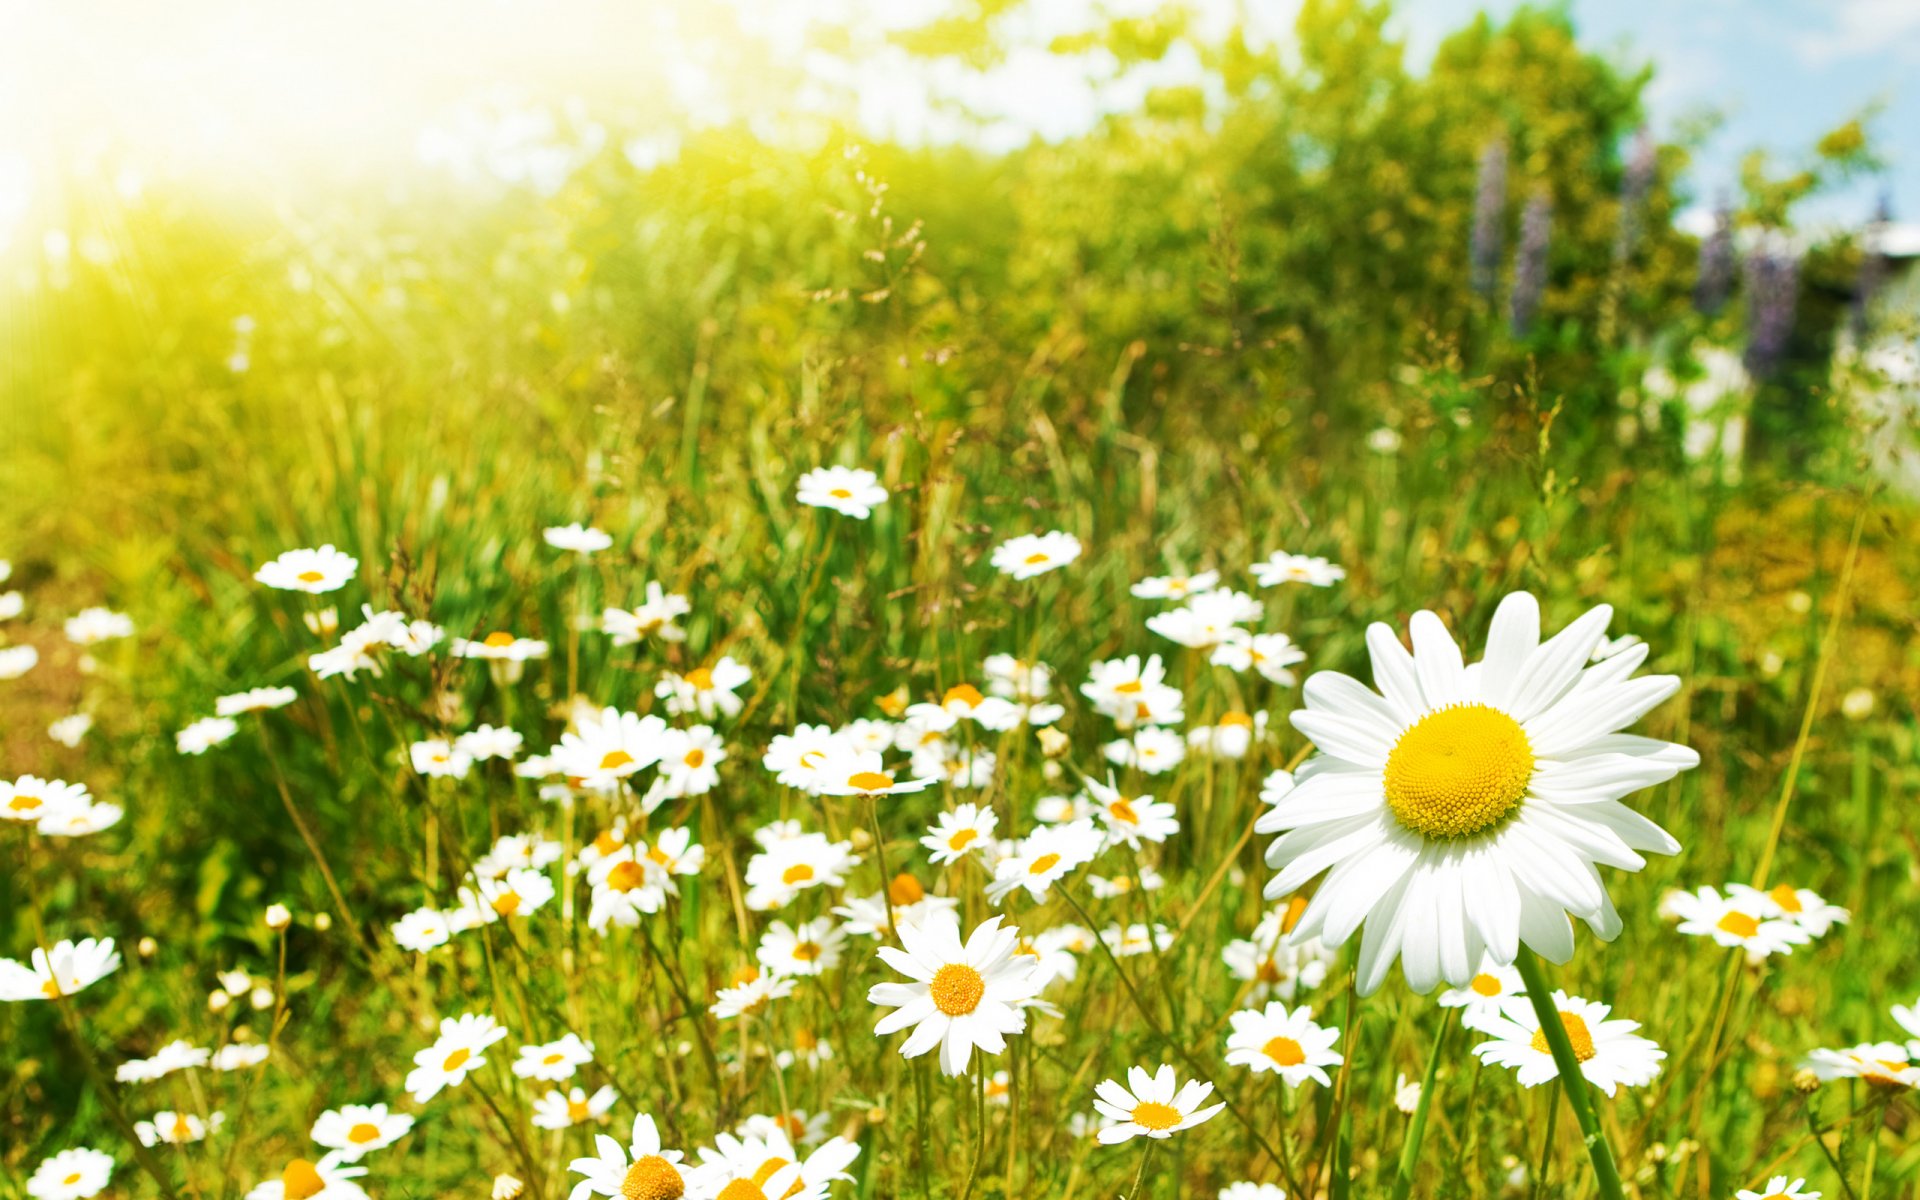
(1530, 261)
(1489, 216)
(1715, 283)
(1638, 181)
(1773, 289)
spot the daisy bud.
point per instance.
(506, 1187)
(1051, 771)
(894, 702)
(262, 997)
(323, 623)
(217, 1001)
(1053, 743)
(323, 921)
(1857, 705)
(278, 917)
(876, 1115)
(147, 946)
(860, 839)
(1805, 1081)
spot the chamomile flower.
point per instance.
(800, 759)
(438, 758)
(708, 691)
(1155, 1106)
(1908, 1015)
(811, 948)
(851, 492)
(91, 626)
(958, 996)
(766, 1166)
(1610, 1053)
(1047, 855)
(749, 994)
(76, 1174)
(1885, 1065)
(608, 746)
(314, 572)
(551, 1062)
(1175, 587)
(332, 1178)
(68, 968)
(177, 1055)
(422, 930)
(861, 773)
(1286, 1043)
(1208, 619)
(866, 733)
(1030, 554)
(904, 903)
(1129, 940)
(16, 661)
(254, 700)
(1151, 749)
(1485, 996)
(1737, 924)
(1130, 820)
(1278, 965)
(169, 1128)
(654, 617)
(956, 834)
(488, 742)
(460, 1048)
(1803, 906)
(1133, 692)
(522, 890)
(204, 734)
(1778, 1188)
(1272, 655)
(1406, 1094)
(70, 729)
(563, 1110)
(690, 760)
(1231, 738)
(792, 865)
(356, 1130)
(1281, 567)
(31, 798)
(1020, 679)
(1482, 798)
(577, 538)
(238, 1056)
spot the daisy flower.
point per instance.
(1485, 996)
(749, 994)
(1175, 587)
(91, 626)
(70, 729)
(1803, 906)
(76, 1174)
(1151, 749)
(254, 700)
(1737, 924)
(459, 1049)
(238, 1056)
(1208, 619)
(177, 1055)
(487, 742)
(651, 1173)
(1130, 820)
(870, 916)
(798, 759)
(421, 930)
(1778, 1189)
(1136, 939)
(169, 1128)
(1231, 738)
(551, 1062)
(556, 1110)
(355, 1130)
(1286, 1043)
(68, 968)
(31, 798)
(955, 834)
(1881, 1064)
(438, 758)
(1014, 678)
(204, 734)
(1281, 567)
(1110, 888)
(812, 948)
(851, 492)
(1030, 554)
(16, 661)
(608, 746)
(1155, 1106)
(1609, 1052)
(792, 865)
(654, 617)
(866, 733)
(958, 996)
(1133, 692)
(500, 646)
(861, 773)
(708, 691)
(329, 1179)
(1465, 810)
(763, 1166)
(311, 571)
(1045, 856)
(578, 538)
(1277, 965)
(690, 760)
(1270, 654)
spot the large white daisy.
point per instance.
(1465, 809)
(958, 996)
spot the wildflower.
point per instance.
(1045, 856)
(356, 1130)
(1270, 654)
(654, 617)
(70, 729)
(1232, 737)
(254, 700)
(770, 1166)
(1208, 619)
(851, 492)
(873, 916)
(1175, 587)
(314, 572)
(957, 997)
(1406, 1094)
(553, 1061)
(580, 539)
(76, 1174)
(1737, 925)
(1281, 567)
(1109, 888)
(1609, 1052)
(177, 1055)
(238, 1056)
(487, 742)
(204, 734)
(1125, 942)
(609, 746)
(965, 702)
(1454, 785)
(793, 865)
(1133, 692)
(1029, 554)
(1778, 1189)
(708, 691)
(1484, 997)
(798, 759)
(506, 1187)
(556, 1110)
(749, 994)
(421, 930)
(964, 830)
(329, 1179)
(1885, 1065)
(1286, 1043)
(1802, 906)
(459, 1049)
(1151, 749)
(323, 622)
(169, 1128)
(812, 948)
(860, 773)
(809, 1048)
(68, 968)
(1155, 1106)
(690, 760)
(1278, 965)
(16, 661)
(1130, 820)
(31, 798)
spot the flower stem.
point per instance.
(1606, 1176)
(1417, 1127)
(1139, 1176)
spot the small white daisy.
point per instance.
(311, 571)
(356, 1130)
(459, 1049)
(1155, 1106)
(1737, 924)
(76, 1174)
(1287, 1043)
(204, 734)
(851, 492)
(1609, 1052)
(963, 831)
(254, 700)
(1281, 567)
(552, 1062)
(1030, 554)
(558, 1110)
(958, 996)
(578, 538)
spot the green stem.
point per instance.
(1417, 1127)
(1606, 1176)
(1139, 1176)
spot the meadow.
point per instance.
(613, 763)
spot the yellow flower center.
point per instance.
(841, 494)
(457, 1059)
(805, 1040)
(300, 1181)
(1035, 558)
(1485, 985)
(767, 1170)
(607, 841)
(962, 838)
(695, 757)
(1043, 864)
(1296, 908)
(70, 1180)
(1577, 1033)
(966, 694)
(363, 1133)
(1284, 1051)
(957, 989)
(701, 679)
(51, 989)
(806, 951)
(904, 889)
(797, 873)
(657, 855)
(626, 876)
(578, 1111)
(507, 903)
(309, 577)
(1787, 898)
(1236, 719)
(741, 1189)
(1267, 972)
(1738, 924)
(1458, 771)
(613, 760)
(1131, 687)
(551, 1059)
(869, 781)
(1151, 1114)
(499, 639)
(652, 1178)
(182, 1130)
(23, 802)
(1123, 810)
